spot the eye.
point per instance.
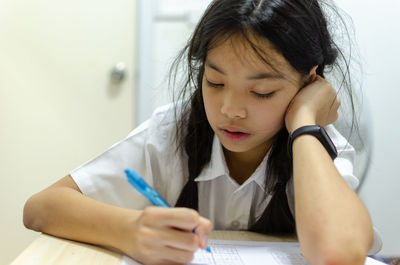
(211, 84)
(267, 95)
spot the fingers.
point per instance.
(150, 250)
(203, 230)
(328, 113)
(178, 255)
(180, 218)
(172, 238)
(180, 240)
(316, 103)
(165, 234)
(183, 220)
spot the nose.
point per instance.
(233, 106)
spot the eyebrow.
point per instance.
(253, 77)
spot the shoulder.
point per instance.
(162, 119)
(150, 149)
(159, 130)
(166, 162)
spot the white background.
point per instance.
(377, 26)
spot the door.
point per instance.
(58, 105)
(164, 28)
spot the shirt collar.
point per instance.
(217, 167)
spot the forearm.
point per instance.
(65, 212)
(333, 225)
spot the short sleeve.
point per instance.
(346, 156)
(150, 149)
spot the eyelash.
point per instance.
(214, 84)
(261, 96)
(264, 96)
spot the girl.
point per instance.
(240, 147)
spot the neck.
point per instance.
(242, 165)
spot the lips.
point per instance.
(234, 134)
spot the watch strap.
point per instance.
(317, 131)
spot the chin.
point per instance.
(236, 147)
(243, 146)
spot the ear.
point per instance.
(312, 74)
(313, 70)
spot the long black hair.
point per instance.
(299, 31)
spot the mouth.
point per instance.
(234, 134)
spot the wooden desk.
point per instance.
(50, 250)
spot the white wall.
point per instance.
(58, 104)
(164, 29)
(377, 29)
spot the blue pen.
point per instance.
(147, 191)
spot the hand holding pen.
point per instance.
(164, 233)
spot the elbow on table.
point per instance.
(31, 214)
(343, 255)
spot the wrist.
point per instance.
(123, 230)
(315, 131)
(298, 124)
(300, 119)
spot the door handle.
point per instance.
(118, 73)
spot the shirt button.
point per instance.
(235, 224)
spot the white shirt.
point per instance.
(150, 149)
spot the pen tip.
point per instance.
(208, 249)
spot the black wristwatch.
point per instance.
(317, 131)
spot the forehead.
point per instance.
(252, 52)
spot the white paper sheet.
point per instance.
(249, 253)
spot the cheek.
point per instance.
(270, 117)
(211, 96)
(206, 98)
(210, 104)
